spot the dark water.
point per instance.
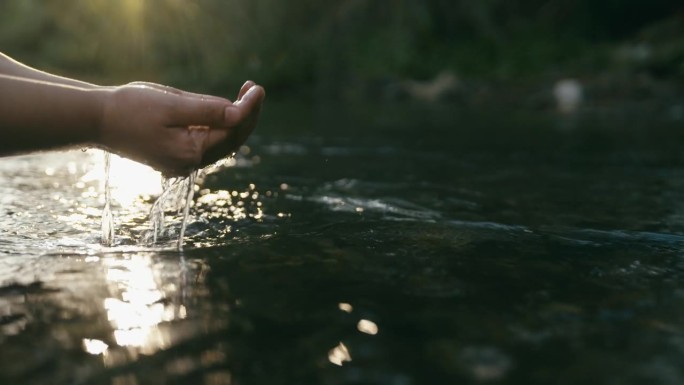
(391, 245)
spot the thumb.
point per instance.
(187, 111)
(232, 115)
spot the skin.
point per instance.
(168, 129)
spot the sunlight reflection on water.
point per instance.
(138, 311)
(142, 300)
(53, 202)
(128, 179)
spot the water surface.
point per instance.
(394, 245)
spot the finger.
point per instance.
(255, 101)
(248, 107)
(223, 141)
(253, 95)
(176, 91)
(233, 115)
(205, 97)
(245, 87)
(187, 111)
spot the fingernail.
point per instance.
(253, 89)
(246, 94)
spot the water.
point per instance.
(190, 192)
(107, 220)
(384, 245)
(177, 194)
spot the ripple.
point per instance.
(387, 207)
(622, 236)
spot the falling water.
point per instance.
(107, 222)
(177, 194)
(186, 207)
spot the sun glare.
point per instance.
(139, 308)
(129, 180)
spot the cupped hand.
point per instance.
(244, 114)
(175, 131)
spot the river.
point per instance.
(390, 244)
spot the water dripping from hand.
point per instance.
(177, 193)
(186, 208)
(107, 220)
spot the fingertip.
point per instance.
(245, 87)
(260, 91)
(255, 93)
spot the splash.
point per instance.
(169, 214)
(177, 194)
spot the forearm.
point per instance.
(37, 115)
(11, 67)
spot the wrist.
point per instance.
(101, 98)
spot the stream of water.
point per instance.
(107, 219)
(177, 194)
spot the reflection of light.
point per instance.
(95, 347)
(368, 327)
(72, 218)
(139, 311)
(128, 179)
(345, 307)
(148, 340)
(128, 316)
(232, 204)
(339, 354)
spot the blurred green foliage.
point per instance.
(330, 48)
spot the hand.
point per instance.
(245, 115)
(175, 131)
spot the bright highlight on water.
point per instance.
(177, 194)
